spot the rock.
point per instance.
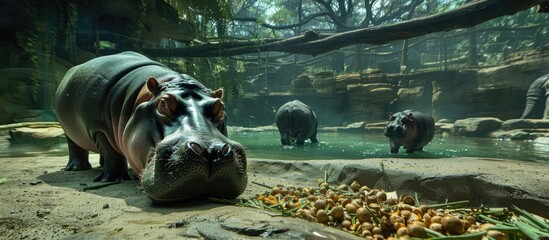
(38, 135)
(525, 123)
(453, 98)
(416, 95)
(542, 140)
(367, 101)
(177, 224)
(515, 134)
(476, 127)
(41, 213)
(443, 127)
(370, 71)
(106, 205)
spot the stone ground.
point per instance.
(38, 200)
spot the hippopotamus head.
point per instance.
(399, 125)
(177, 141)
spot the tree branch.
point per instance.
(312, 43)
(303, 22)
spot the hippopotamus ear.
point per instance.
(410, 117)
(391, 117)
(152, 85)
(218, 93)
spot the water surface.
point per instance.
(332, 145)
(358, 146)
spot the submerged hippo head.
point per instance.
(177, 141)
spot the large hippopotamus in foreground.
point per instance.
(296, 121)
(411, 129)
(537, 99)
(167, 126)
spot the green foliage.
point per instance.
(219, 73)
(208, 15)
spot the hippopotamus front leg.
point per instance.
(300, 138)
(78, 157)
(115, 168)
(411, 149)
(394, 146)
(285, 138)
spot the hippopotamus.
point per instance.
(537, 95)
(411, 129)
(296, 121)
(167, 126)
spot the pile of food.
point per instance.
(376, 214)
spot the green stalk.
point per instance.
(538, 222)
(450, 204)
(491, 220)
(471, 236)
(433, 233)
(527, 231)
(503, 228)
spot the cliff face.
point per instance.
(489, 92)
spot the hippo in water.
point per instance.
(537, 99)
(166, 125)
(296, 121)
(411, 129)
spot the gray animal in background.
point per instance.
(537, 99)
(296, 121)
(411, 129)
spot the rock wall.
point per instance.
(488, 92)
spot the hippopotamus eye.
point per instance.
(392, 118)
(167, 105)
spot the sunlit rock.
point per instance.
(476, 127)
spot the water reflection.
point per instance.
(345, 146)
(358, 146)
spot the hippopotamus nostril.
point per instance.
(219, 150)
(226, 152)
(195, 147)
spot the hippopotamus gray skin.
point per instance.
(411, 129)
(537, 95)
(167, 126)
(296, 121)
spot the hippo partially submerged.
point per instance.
(296, 121)
(167, 126)
(411, 129)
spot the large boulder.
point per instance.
(476, 127)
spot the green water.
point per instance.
(358, 146)
(342, 146)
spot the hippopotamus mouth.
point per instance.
(192, 168)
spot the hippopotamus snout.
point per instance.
(183, 168)
(394, 130)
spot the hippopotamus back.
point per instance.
(295, 120)
(411, 129)
(168, 126)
